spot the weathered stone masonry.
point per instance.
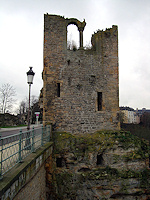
(81, 89)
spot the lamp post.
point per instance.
(30, 75)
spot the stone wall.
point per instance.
(36, 187)
(100, 166)
(73, 79)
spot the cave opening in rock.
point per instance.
(59, 162)
(100, 159)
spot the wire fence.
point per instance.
(14, 148)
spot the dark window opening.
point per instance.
(99, 94)
(58, 89)
(68, 62)
(59, 162)
(99, 159)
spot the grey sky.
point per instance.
(21, 41)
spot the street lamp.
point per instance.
(30, 75)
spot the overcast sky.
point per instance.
(21, 41)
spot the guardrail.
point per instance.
(14, 148)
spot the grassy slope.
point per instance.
(137, 130)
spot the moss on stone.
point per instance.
(100, 141)
(78, 171)
(113, 173)
(145, 179)
(63, 141)
(102, 173)
(68, 183)
(65, 188)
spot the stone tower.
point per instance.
(81, 88)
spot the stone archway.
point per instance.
(80, 26)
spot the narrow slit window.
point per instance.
(99, 94)
(58, 89)
(68, 61)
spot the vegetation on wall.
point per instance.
(98, 141)
(77, 174)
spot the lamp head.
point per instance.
(30, 75)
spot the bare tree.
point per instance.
(24, 104)
(7, 92)
(120, 116)
(88, 46)
(34, 99)
(22, 107)
(71, 45)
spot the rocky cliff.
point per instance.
(102, 165)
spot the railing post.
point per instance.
(1, 163)
(28, 142)
(33, 139)
(20, 138)
(42, 135)
(49, 133)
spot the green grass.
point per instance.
(12, 126)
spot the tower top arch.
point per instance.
(80, 25)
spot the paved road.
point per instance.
(10, 131)
(4, 132)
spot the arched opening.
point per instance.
(72, 37)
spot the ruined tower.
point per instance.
(81, 89)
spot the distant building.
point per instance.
(130, 116)
(142, 111)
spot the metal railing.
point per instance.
(14, 148)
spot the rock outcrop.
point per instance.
(103, 165)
